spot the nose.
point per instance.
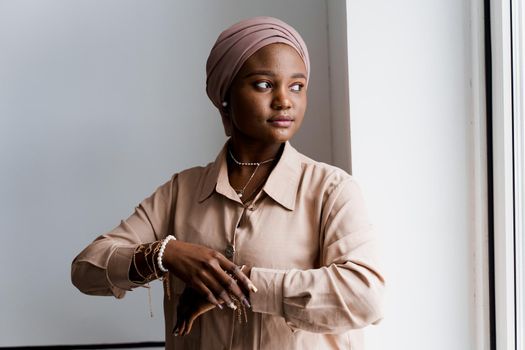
(281, 100)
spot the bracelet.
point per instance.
(147, 252)
(161, 252)
(138, 250)
(155, 251)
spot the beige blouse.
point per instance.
(306, 233)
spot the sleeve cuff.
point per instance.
(269, 297)
(118, 268)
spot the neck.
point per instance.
(254, 152)
(247, 179)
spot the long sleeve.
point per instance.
(102, 268)
(346, 291)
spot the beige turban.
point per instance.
(237, 43)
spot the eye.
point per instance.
(296, 87)
(262, 85)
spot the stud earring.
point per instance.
(224, 104)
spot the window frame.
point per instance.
(518, 116)
(508, 133)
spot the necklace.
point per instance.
(255, 164)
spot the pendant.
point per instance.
(229, 251)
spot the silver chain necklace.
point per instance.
(255, 164)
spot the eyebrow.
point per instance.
(271, 74)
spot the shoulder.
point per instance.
(331, 189)
(322, 176)
(326, 186)
(322, 169)
(194, 174)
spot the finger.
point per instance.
(206, 292)
(176, 329)
(238, 274)
(222, 273)
(233, 287)
(182, 328)
(217, 288)
(179, 321)
(229, 302)
(182, 315)
(244, 279)
(189, 325)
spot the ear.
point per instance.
(225, 115)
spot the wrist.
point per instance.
(247, 271)
(144, 268)
(170, 254)
(160, 257)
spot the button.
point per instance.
(230, 250)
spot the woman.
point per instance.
(282, 240)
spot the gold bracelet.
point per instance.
(147, 252)
(153, 259)
(138, 250)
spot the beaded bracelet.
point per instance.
(161, 252)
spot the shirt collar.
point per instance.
(283, 182)
(281, 185)
(216, 179)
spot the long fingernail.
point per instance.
(232, 306)
(253, 288)
(213, 300)
(246, 303)
(216, 303)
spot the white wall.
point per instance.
(100, 102)
(411, 135)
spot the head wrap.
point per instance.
(237, 43)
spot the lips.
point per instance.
(282, 121)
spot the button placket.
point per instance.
(229, 251)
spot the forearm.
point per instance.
(105, 267)
(330, 299)
(144, 267)
(102, 269)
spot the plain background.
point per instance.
(100, 102)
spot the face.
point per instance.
(267, 99)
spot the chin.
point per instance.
(284, 135)
(272, 136)
(280, 139)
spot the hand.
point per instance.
(206, 271)
(247, 270)
(191, 306)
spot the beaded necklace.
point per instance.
(255, 164)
